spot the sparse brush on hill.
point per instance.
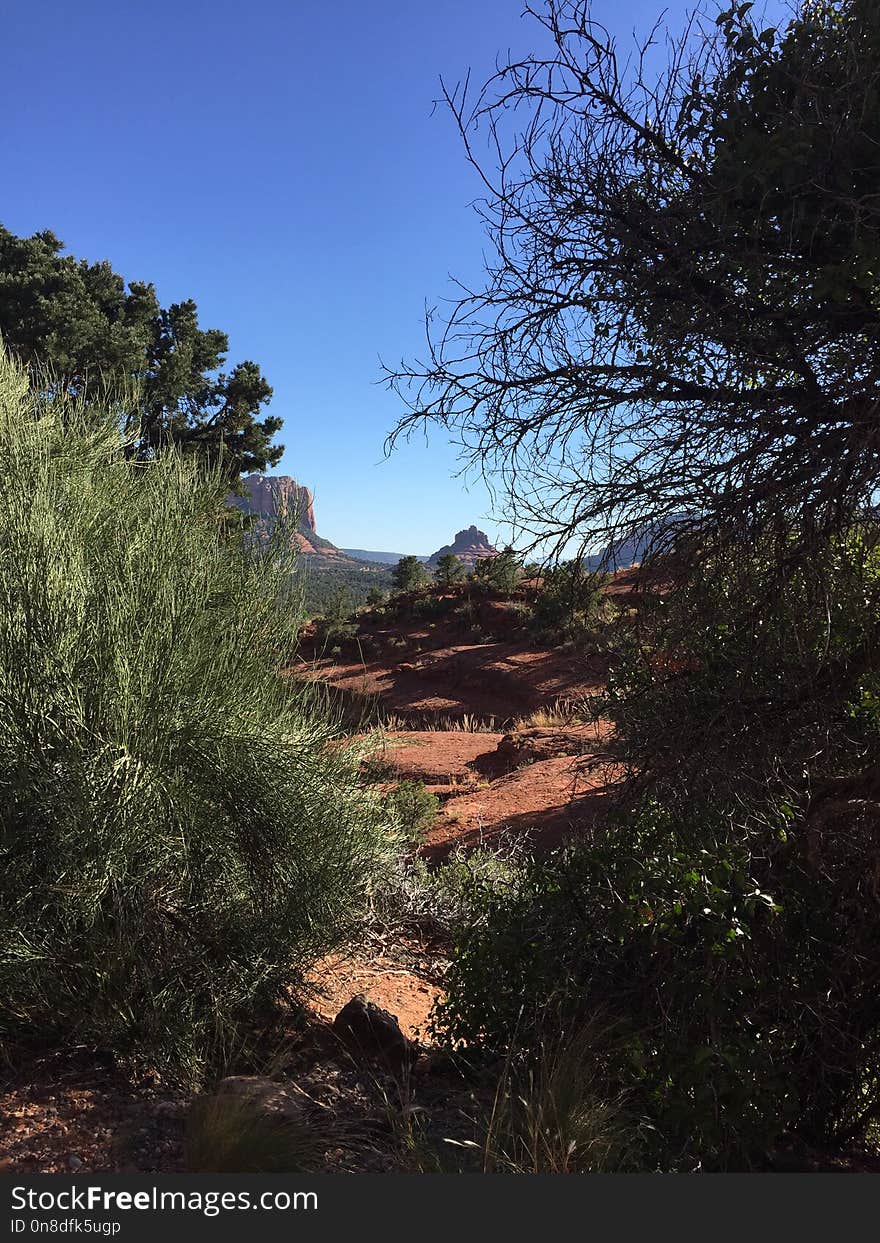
(427, 607)
(568, 605)
(177, 838)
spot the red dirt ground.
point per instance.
(69, 1112)
(382, 980)
(544, 782)
(492, 681)
(549, 801)
(545, 777)
(436, 757)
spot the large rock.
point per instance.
(369, 1030)
(532, 745)
(268, 495)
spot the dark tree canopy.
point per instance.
(90, 328)
(448, 570)
(682, 312)
(409, 575)
(502, 572)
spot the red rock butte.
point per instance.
(470, 546)
(268, 495)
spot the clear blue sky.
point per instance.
(278, 162)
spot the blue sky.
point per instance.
(279, 163)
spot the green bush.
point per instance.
(517, 613)
(736, 985)
(449, 570)
(413, 808)
(501, 572)
(332, 636)
(442, 899)
(569, 604)
(409, 575)
(761, 669)
(177, 838)
(336, 627)
(231, 1135)
(427, 606)
(467, 613)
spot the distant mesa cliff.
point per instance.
(267, 496)
(634, 547)
(470, 546)
(377, 558)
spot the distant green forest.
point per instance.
(324, 586)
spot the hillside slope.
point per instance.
(493, 724)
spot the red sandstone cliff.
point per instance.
(267, 496)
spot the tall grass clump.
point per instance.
(228, 1135)
(551, 1113)
(177, 838)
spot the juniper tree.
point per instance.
(409, 574)
(93, 329)
(448, 570)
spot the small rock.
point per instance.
(74, 1162)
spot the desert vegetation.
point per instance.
(675, 332)
(179, 841)
(333, 592)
